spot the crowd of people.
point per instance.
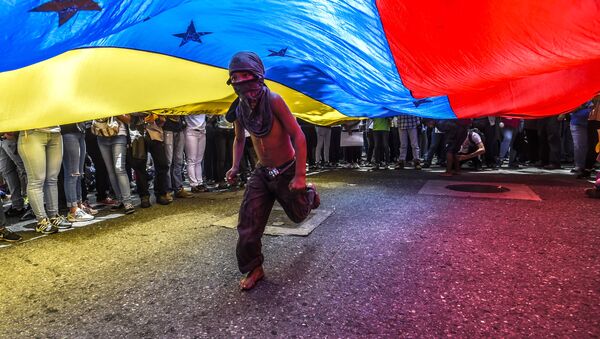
(50, 172)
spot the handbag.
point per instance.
(137, 147)
(105, 127)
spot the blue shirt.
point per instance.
(580, 116)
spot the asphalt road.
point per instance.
(387, 263)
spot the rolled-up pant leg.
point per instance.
(254, 214)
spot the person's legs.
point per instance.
(54, 155)
(141, 178)
(32, 148)
(101, 176)
(161, 167)
(320, 144)
(253, 216)
(201, 147)
(327, 137)
(403, 144)
(106, 150)
(413, 136)
(119, 153)
(371, 145)
(192, 144)
(71, 164)
(386, 146)
(580, 146)
(168, 144)
(378, 149)
(176, 164)
(9, 172)
(10, 147)
(554, 141)
(507, 137)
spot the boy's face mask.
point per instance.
(248, 90)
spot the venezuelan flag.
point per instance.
(63, 61)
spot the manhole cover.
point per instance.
(478, 188)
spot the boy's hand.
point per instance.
(231, 175)
(298, 184)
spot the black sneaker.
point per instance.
(44, 226)
(13, 212)
(9, 236)
(29, 215)
(117, 207)
(61, 222)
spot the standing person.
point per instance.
(323, 145)
(550, 141)
(455, 133)
(12, 170)
(149, 125)
(310, 135)
(42, 152)
(114, 153)
(352, 152)
(436, 146)
(510, 129)
(281, 173)
(174, 145)
(224, 142)
(408, 130)
(101, 176)
(74, 154)
(195, 144)
(335, 151)
(579, 131)
(381, 132)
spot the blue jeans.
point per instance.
(580, 145)
(506, 147)
(73, 161)
(13, 171)
(114, 153)
(174, 143)
(434, 146)
(42, 155)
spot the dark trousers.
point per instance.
(394, 142)
(209, 163)
(590, 158)
(102, 181)
(550, 141)
(370, 145)
(382, 149)
(352, 154)
(310, 133)
(161, 168)
(259, 197)
(225, 137)
(335, 150)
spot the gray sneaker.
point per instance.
(61, 222)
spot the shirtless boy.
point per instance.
(281, 172)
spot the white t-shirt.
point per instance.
(472, 139)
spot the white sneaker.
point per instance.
(79, 215)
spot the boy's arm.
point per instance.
(238, 151)
(290, 125)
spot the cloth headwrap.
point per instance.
(260, 120)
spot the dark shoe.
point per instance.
(61, 222)
(514, 166)
(44, 226)
(117, 207)
(162, 199)
(182, 193)
(552, 167)
(145, 202)
(108, 202)
(417, 164)
(426, 165)
(29, 215)
(199, 189)
(9, 236)
(13, 212)
(128, 208)
(400, 165)
(584, 174)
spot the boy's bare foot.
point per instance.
(250, 280)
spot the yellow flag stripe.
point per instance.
(86, 84)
